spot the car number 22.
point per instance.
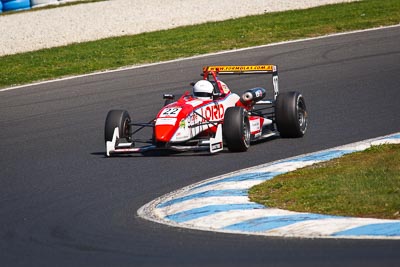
(170, 112)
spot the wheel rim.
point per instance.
(246, 132)
(302, 115)
(125, 129)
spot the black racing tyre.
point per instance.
(120, 119)
(236, 129)
(291, 115)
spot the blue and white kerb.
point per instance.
(221, 204)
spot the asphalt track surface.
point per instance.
(62, 203)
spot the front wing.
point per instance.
(115, 146)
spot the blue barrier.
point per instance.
(14, 5)
(10, 5)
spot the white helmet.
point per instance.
(203, 89)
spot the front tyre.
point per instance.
(120, 119)
(236, 129)
(291, 114)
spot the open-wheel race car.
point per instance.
(212, 117)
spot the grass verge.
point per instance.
(362, 184)
(187, 41)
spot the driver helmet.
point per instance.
(203, 89)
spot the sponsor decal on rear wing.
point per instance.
(244, 69)
(247, 69)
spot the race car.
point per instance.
(212, 117)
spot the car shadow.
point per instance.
(160, 154)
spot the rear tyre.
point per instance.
(120, 119)
(291, 115)
(236, 129)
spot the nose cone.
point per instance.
(169, 119)
(164, 133)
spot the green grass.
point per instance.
(362, 184)
(188, 41)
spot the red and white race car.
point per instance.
(212, 117)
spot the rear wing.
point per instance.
(245, 69)
(248, 69)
